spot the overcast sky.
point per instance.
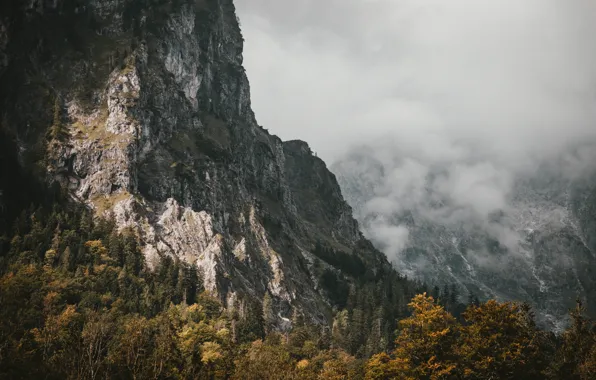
(440, 78)
(483, 89)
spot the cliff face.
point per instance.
(141, 108)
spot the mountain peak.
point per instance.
(149, 117)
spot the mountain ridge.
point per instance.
(538, 248)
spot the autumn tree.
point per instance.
(500, 341)
(423, 346)
(131, 346)
(96, 335)
(60, 343)
(495, 341)
(264, 361)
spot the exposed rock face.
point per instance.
(540, 248)
(156, 127)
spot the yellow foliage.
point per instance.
(587, 369)
(423, 347)
(223, 333)
(498, 340)
(50, 300)
(211, 353)
(302, 364)
(50, 257)
(96, 247)
(56, 333)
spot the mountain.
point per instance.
(538, 247)
(140, 109)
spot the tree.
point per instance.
(423, 346)
(264, 361)
(60, 342)
(268, 313)
(57, 130)
(340, 365)
(587, 369)
(193, 285)
(473, 299)
(339, 332)
(357, 330)
(574, 358)
(250, 327)
(425, 339)
(132, 256)
(96, 338)
(131, 345)
(164, 357)
(382, 366)
(375, 341)
(500, 340)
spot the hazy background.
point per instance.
(473, 93)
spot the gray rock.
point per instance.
(161, 135)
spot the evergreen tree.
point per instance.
(250, 327)
(57, 131)
(578, 344)
(269, 318)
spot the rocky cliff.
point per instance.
(141, 109)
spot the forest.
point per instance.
(79, 302)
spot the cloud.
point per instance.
(515, 78)
(392, 239)
(454, 100)
(481, 187)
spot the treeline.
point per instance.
(491, 341)
(78, 302)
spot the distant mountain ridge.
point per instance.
(540, 249)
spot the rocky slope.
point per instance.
(540, 248)
(141, 109)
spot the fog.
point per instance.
(470, 93)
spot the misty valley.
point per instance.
(529, 240)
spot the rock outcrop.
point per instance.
(141, 109)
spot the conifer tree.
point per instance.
(268, 313)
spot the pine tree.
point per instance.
(297, 318)
(132, 257)
(374, 342)
(250, 327)
(577, 342)
(192, 284)
(57, 130)
(357, 330)
(268, 313)
(453, 294)
(445, 295)
(339, 332)
(115, 250)
(472, 299)
(436, 293)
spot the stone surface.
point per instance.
(160, 134)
